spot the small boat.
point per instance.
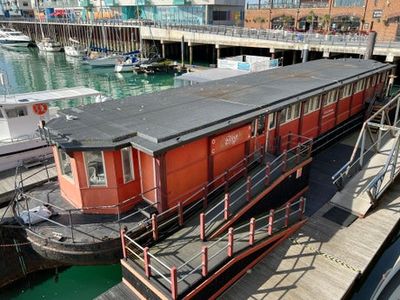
(128, 63)
(75, 49)
(102, 59)
(389, 286)
(13, 39)
(21, 115)
(49, 45)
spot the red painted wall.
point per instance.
(328, 117)
(310, 124)
(186, 170)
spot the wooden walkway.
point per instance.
(32, 177)
(324, 259)
(119, 291)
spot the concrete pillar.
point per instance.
(190, 55)
(370, 45)
(162, 49)
(218, 53)
(326, 54)
(305, 53)
(294, 61)
(272, 51)
(183, 51)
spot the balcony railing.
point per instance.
(272, 5)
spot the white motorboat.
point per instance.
(75, 49)
(13, 39)
(49, 45)
(102, 61)
(389, 286)
(20, 116)
(128, 63)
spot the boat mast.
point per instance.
(40, 19)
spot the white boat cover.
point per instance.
(36, 215)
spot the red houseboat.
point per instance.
(161, 147)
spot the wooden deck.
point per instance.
(119, 291)
(324, 259)
(32, 177)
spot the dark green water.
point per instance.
(32, 71)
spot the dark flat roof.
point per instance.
(156, 122)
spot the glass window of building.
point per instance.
(95, 168)
(271, 120)
(127, 164)
(349, 3)
(65, 164)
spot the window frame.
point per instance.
(272, 120)
(291, 112)
(131, 166)
(87, 171)
(315, 99)
(16, 108)
(60, 160)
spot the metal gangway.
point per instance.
(374, 163)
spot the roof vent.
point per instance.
(23, 100)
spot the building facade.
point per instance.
(195, 12)
(381, 16)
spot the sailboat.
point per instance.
(48, 44)
(128, 63)
(74, 49)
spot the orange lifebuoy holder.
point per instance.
(40, 108)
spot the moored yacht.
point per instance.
(75, 49)
(128, 63)
(49, 45)
(12, 38)
(20, 115)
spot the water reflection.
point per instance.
(32, 70)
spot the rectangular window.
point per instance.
(290, 113)
(271, 121)
(95, 168)
(374, 80)
(261, 124)
(360, 86)
(127, 164)
(347, 90)
(65, 164)
(311, 105)
(17, 112)
(330, 97)
(368, 83)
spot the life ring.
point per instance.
(40, 108)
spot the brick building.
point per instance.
(382, 16)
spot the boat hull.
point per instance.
(49, 48)
(102, 62)
(14, 154)
(14, 44)
(120, 68)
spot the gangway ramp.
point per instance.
(374, 163)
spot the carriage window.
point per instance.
(374, 80)
(95, 168)
(383, 77)
(261, 125)
(368, 83)
(290, 113)
(347, 89)
(311, 105)
(17, 112)
(330, 98)
(65, 164)
(360, 86)
(271, 121)
(127, 164)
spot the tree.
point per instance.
(326, 22)
(310, 19)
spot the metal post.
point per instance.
(154, 227)
(27, 209)
(146, 258)
(248, 188)
(284, 161)
(71, 225)
(297, 154)
(251, 231)
(396, 116)
(271, 221)
(245, 161)
(123, 245)
(378, 143)
(230, 242)
(205, 200)
(362, 148)
(302, 207)
(226, 182)
(267, 173)
(204, 261)
(174, 283)
(226, 206)
(180, 214)
(183, 51)
(202, 226)
(287, 214)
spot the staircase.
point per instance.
(374, 163)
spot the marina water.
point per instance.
(28, 71)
